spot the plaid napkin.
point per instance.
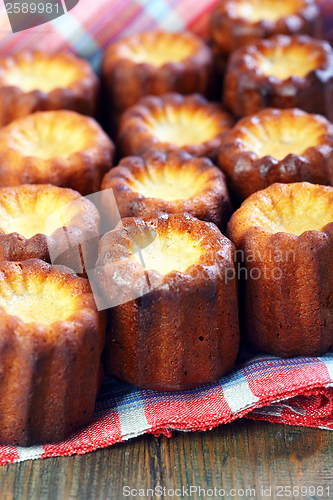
(295, 391)
(91, 25)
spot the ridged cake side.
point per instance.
(50, 370)
(32, 81)
(287, 271)
(182, 331)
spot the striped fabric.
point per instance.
(297, 391)
(92, 25)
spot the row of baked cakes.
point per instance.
(208, 215)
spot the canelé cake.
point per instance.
(61, 147)
(236, 23)
(51, 339)
(153, 63)
(284, 240)
(171, 282)
(49, 223)
(277, 145)
(172, 122)
(33, 81)
(167, 183)
(281, 72)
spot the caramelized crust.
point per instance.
(39, 220)
(236, 23)
(284, 241)
(173, 122)
(281, 72)
(51, 339)
(154, 63)
(172, 183)
(61, 147)
(277, 146)
(33, 81)
(174, 324)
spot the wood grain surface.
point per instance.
(238, 457)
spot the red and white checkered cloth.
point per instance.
(297, 391)
(90, 26)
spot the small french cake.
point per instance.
(33, 81)
(284, 240)
(60, 147)
(170, 280)
(173, 122)
(51, 340)
(168, 183)
(281, 72)
(153, 63)
(236, 23)
(277, 145)
(46, 222)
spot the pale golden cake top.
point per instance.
(280, 132)
(49, 134)
(36, 301)
(157, 47)
(60, 147)
(37, 292)
(182, 126)
(240, 23)
(157, 246)
(37, 70)
(39, 209)
(258, 10)
(284, 61)
(288, 208)
(173, 121)
(170, 251)
(171, 183)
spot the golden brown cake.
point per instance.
(236, 23)
(173, 122)
(33, 81)
(51, 339)
(171, 282)
(284, 241)
(168, 183)
(154, 63)
(281, 72)
(49, 223)
(277, 145)
(61, 147)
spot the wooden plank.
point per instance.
(244, 455)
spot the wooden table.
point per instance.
(247, 459)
